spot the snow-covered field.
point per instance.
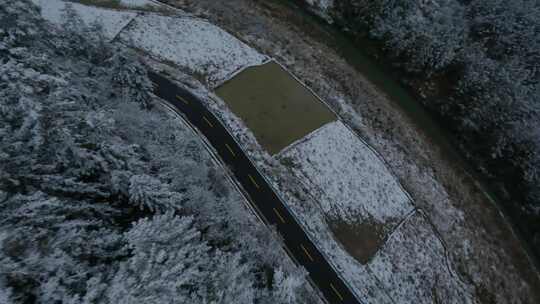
(353, 185)
(413, 265)
(351, 182)
(193, 44)
(113, 21)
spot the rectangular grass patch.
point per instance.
(276, 108)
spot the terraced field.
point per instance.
(274, 106)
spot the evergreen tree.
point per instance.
(104, 201)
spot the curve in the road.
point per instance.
(261, 194)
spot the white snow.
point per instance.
(138, 3)
(348, 178)
(113, 21)
(359, 277)
(193, 44)
(352, 184)
(413, 266)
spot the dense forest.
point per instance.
(104, 196)
(476, 65)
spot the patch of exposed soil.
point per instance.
(361, 240)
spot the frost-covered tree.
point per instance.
(170, 264)
(129, 77)
(54, 245)
(425, 36)
(148, 192)
(429, 35)
(167, 263)
(103, 200)
(508, 29)
(287, 287)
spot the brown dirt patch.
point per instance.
(361, 240)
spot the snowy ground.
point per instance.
(193, 44)
(113, 21)
(351, 182)
(413, 265)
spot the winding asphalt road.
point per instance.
(262, 197)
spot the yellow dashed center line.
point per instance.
(257, 186)
(230, 149)
(253, 181)
(182, 99)
(307, 253)
(337, 292)
(279, 215)
(208, 122)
